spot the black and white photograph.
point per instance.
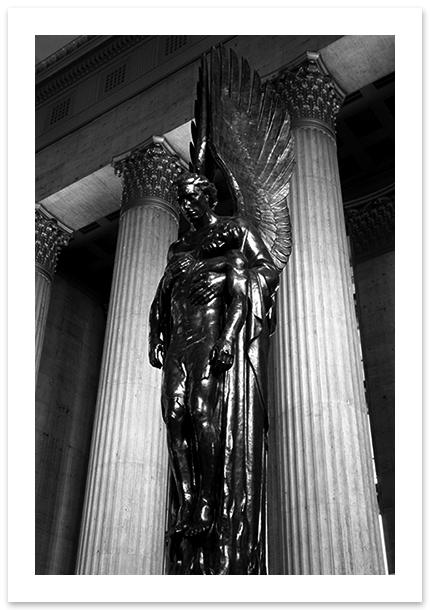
(219, 305)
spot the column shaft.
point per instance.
(125, 509)
(43, 293)
(322, 443)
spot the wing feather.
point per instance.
(249, 137)
(245, 86)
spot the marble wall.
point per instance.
(65, 401)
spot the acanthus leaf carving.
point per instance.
(50, 238)
(148, 173)
(371, 226)
(310, 93)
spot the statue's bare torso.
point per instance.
(189, 318)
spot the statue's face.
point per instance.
(193, 202)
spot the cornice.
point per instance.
(64, 52)
(362, 202)
(89, 64)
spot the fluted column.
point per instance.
(51, 235)
(125, 508)
(327, 516)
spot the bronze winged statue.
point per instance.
(211, 319)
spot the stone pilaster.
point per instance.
(51, 235)
(327, 518)
(371, 229)
(124, 514)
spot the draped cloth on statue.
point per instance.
(236, 543)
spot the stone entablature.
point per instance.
(102, 72)
(81, 69)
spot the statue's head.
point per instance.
(188, 183)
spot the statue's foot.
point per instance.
(203, 519)
(183, 520)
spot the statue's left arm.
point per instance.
(261, 264)
(237, 285)
(245, 266)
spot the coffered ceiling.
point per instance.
(365, 139)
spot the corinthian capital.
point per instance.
(371, 225)
(148, 173)
(310, 93)
(51, 235)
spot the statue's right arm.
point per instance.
(156, 343)
(157, 315)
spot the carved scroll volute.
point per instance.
(51, 236)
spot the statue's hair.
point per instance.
(199, 182)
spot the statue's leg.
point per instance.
(178, 441)
(202, 400)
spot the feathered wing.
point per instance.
(245, 127)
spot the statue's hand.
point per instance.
(222, 355)
(179, 264)
(216, 263)
(205, 287)
(156, 352)
(176, 267)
